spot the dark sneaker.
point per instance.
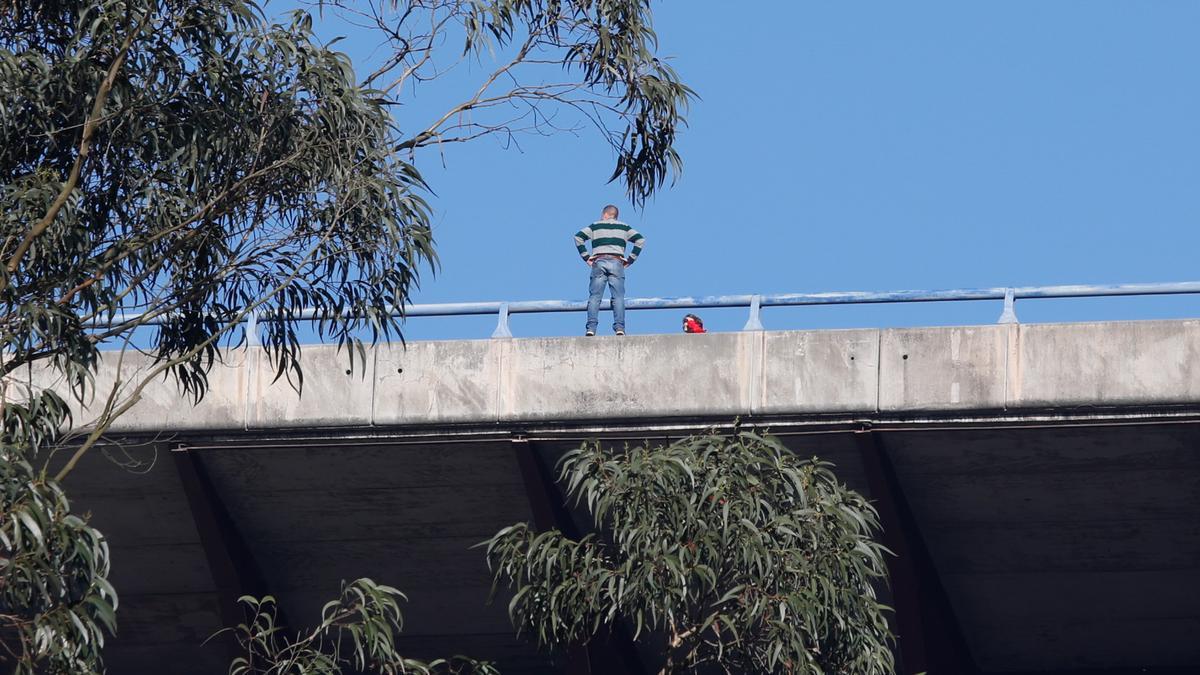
(620, 332)
(589, 333)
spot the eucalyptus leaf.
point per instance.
(719, 546)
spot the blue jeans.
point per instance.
(609, 271)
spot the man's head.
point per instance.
(610, 212)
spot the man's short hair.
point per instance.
(610, 209)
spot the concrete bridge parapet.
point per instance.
(754, 373)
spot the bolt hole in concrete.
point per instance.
(347, 371)
(905, 357)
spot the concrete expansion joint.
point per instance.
(375, 382)
(878, 369)
(251, 357)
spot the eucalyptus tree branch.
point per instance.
(356, 633)
(122, 249)
(238, 147)
(85, 147)
(112, 410)
(432, 131)
(426, 54)
(664, 508)
(680, 647)
(609, 44)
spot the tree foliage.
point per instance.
(184, 163)
(170, 168)
(178, 164)
(555, 65)
(357, 634)
(743, 556)
(56, 604)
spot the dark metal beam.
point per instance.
(546, 505)
(1148, 670)
(929, 638)
(545, 500)
(230, 562)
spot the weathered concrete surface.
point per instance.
(335, 393)
(577, 378)
(817, 372)
(159, 402)
(168, 599)
(437, 382)
(897, 371)
(1140, 363)
(1063, 548)
(313, 516)
(943, 369)
(1059, 548)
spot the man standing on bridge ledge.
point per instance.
(608, 263)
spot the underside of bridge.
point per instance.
(1034, 545)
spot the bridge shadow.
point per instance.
(1058, 548)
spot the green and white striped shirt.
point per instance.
(609, 236)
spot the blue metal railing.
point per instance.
(756, 302)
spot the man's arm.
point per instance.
(638, 242)
(580, 237)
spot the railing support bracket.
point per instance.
(755, 320)
(252, 329)
(502, 330)
(1009, 315)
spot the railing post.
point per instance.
(1009, 315)
(755, 320)
(502, 330)
(252, 329)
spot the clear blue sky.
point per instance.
(861, 146)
